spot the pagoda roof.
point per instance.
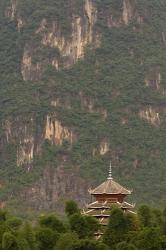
(102, 209)
(110, 187)
(98, 213)
(108, 204)
(103, 214)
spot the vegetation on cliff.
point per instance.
(115, 95)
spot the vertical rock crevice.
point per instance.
(21, 133)
(151, 115)
(56, 133)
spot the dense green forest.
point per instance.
(111, 76)
(125, 231)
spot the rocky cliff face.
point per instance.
(21, 132)
(71, 46)
(29, 137)
(87, 103)
(54, 188)
(56, 133)
(12, 13)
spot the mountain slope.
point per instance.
(81, 82)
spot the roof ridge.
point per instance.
(110, 187)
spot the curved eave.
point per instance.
(132, 212)
(124, 193)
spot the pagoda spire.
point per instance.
(110, 172)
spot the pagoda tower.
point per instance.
(106, 195)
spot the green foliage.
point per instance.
(145, 216)
(78, 225)
(28, 234)
(58, 10)
(125, 246)
(132, 222)
(22, 244)
(90, 245)
(9, 242)
(45, 52)
(46, 238)
(47, 233)
(3, 215)
(148, 239)
(14, 223)
(163, 221)
(117, 228)
(84, 226)
(156, 217)
(53, 223)
(92, 226)
(114, 6)
(71, 208)
(67, 241)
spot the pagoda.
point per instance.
(108, 194)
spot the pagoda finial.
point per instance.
(110, 172)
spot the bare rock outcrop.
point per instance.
(104, 147)
(29, 137)
(12, 13)
(56, 132)
(152, 115)
(128, 11)
(21, 132)
(71, 46)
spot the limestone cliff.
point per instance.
(71, 46)
(21, 132)
(54, 188)
(80, 83)
(29, 137)
(56, 133)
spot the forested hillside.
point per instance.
(81, 82)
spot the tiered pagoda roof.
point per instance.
(110, 187)
(108, 194)
(102, 209)
(106, 205)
